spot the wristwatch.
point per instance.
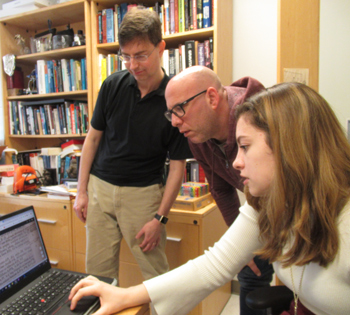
(161, 218)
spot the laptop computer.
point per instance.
(28, 284)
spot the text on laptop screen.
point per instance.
(21, 249)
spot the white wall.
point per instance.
(255, 40)
(334, 77)
(255, 48)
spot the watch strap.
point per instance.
(161, 218)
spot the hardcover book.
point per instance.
(190, 53)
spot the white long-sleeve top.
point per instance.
(324, 291)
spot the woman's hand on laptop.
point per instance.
(113, 299)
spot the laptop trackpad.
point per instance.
(82, 306)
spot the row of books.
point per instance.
(108, 64)
(175, 60)
(176, 16)
(48, 117)
(57, 161)
(191, 53)
(185, 15)
(62, 75)
(193, 172)
(56, 166)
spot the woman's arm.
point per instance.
(180, 290)
(177, 292)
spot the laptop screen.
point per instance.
(22, 252)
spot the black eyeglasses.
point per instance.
(178, 109)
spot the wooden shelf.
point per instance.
(68, 95)
(68, 53)
(76, 14)
(49, 136)
(36, 20)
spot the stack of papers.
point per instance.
(58, 192)
(22, 6)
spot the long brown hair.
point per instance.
(311, 185)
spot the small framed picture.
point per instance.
(44, 43)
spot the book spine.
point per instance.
(200, 54)
(55, 75)
(104, 26)
(56, 120)
(51, 76)
(199, 14)
(103, 69)
(72, 75)
(110, 25)
(38, 117)
(72, 117)
(43, 119)
(35, 120)
(181, 10)
(66, 110)
(183, 57)
(65, 76)
(187, 15)
(194, 14)
(190, 15)
(166, 61)
(206, 53)
(21, 118)
(15, 117)
(83, 74)
(211, 48)
(207, 7)
(63, 129)
(166, 17)
(115, 19)
(123, 10)
(47, 87)
(59, 76)
(99, 27)
(77, 74)
(177, 61)
(10, 116)
(171, 62)
(41, 76)
(172, 16)
(176, 15)
(77, 118)
(190, 53)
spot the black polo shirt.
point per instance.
(137, 137)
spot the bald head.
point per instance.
(193, 79)
(197, 104)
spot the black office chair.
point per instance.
(275, 299)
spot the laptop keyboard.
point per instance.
(44, 296)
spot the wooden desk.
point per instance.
(138, 310)
(189, 234)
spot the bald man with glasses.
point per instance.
(203, 111)
(121, 189)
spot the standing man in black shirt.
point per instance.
(120, 189)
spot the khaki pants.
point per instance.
(116, 212)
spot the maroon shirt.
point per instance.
(222, 178)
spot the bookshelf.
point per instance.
(221, 32)
(75, 13)
(81, 14)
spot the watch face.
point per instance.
(164, 220)
(161, 218)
